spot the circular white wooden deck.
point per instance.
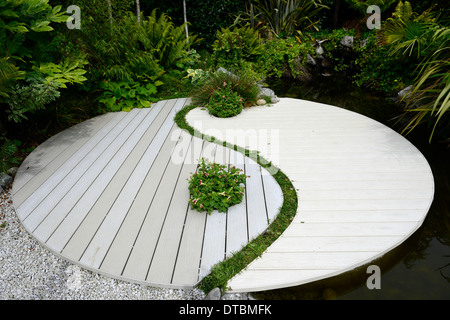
(363, 189)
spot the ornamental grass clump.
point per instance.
(215, 187)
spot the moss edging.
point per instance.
(223, 271)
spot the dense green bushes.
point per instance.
(32, 69)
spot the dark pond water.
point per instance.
(420, 267)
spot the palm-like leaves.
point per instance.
(407, 32)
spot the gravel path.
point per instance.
(30, 272)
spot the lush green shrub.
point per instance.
(167, 42)
(377, 69)
(8, 150)
(30, 97)
(429, 101)
(278, 55)
(243, 82)
(32, 68)
(215, 187)
(225, 103)
(408, 33)
(233, 46)
(124, 96)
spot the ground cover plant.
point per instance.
(216, 187)
(225, 103)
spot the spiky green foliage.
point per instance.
(430, 98)
(128, 51)
(286, 16)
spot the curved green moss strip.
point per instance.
(222, 272)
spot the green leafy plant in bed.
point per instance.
(225, 103)
(124, 96)
(215, 187)
(243, 82)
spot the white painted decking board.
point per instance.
(95, 252)
(114, 199)
(119, 251)
(358, 182)
(79, 226)
(43, 226)
(27, 207)
(165, 255)
(51, 154)
(257, 213)
(215, 229)
(237, 224)
(361, 215)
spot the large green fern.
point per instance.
(166, 40)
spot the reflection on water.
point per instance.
(420, 267)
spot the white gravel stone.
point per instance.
(28, 271)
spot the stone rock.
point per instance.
(364, 42)
(275, 99)
(223, 70)
(214, 294)
(12, 171)
(5, 180)
(347, 41)
(261, 102)
(266, 92)
(405, 93)
(310, 60)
